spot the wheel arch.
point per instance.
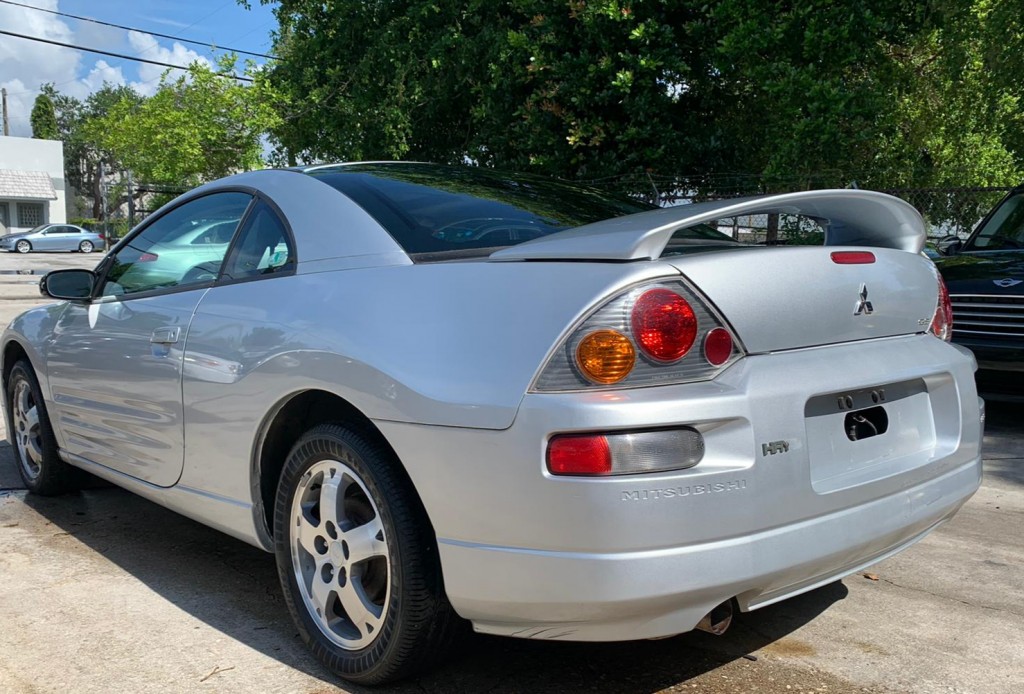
(291, 417)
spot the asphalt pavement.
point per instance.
(101, 591)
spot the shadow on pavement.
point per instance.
(1003, 449)
(234, 588)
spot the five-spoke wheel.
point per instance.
(358, 559)
(340, 554)
(35, 448)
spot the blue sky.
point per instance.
(25, 65)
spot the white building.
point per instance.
(31, 183)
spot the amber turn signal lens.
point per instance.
(605, 356)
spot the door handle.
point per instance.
(165, 336)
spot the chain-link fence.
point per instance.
(946, 211)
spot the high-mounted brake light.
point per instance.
(664, 325)
(853, 257)
(942, 323)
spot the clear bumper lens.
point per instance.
(655, 451)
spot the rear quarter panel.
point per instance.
(454, 344)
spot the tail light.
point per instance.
(942, 323)
(605, 356)
(664, 325)
(148, 257)
(625, 453)
(643, 336)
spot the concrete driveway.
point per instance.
(101, 591)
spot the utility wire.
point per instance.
(141, 31)
(115, 55)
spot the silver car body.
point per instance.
(444, 360)
(54, 237)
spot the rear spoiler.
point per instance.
(850, 218)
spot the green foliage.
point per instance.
(43, 119)
(800, 94)
(195, 128)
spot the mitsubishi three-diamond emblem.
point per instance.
(863, 307)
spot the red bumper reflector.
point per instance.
(853, 257)
(579, 455)
(718, 346)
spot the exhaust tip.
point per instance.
(717, 620)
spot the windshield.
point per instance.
(459, 211)
(1004, 229)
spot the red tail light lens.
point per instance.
(853, 257)
(579, 455)
(664, 325)
(718, 346)
(942, 323)
(148, 257)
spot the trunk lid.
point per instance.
(782, 298)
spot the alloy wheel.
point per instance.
(27, 433)
(85, 247)
(340, 554)
(23, 246)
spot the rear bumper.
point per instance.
(640, 556)
(637, 595)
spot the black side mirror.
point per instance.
(71, 285)
(949, 245)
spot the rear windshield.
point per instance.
(444, 212)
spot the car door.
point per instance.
(115, 363)
(47, 240)
(64, 238)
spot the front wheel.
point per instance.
(35, 448)
(85, 247)
(357, 559)
(23, 246)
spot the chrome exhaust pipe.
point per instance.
(717, 620)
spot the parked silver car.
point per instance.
(617, 429)
(54, 237)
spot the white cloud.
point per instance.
(146, 46)
(26, 65)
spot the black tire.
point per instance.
(418, 626)
(48, 475)
(23, 246)
(86, 247)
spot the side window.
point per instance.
(263, 246)
(164, 255)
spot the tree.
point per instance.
(84, 159)
(747, 95)
(197, 127)
(43, 119)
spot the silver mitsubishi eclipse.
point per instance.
(449, 396)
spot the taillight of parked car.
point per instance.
(942, 323)
(656, 333)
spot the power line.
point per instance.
(115, 55)
(141, 31)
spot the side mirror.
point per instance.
(71, 285)
(949, 245)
